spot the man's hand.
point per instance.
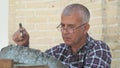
(21, 37)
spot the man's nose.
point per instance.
(65, 30)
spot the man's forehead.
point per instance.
(71, 18)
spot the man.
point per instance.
(79, 50)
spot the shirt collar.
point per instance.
(85, 46)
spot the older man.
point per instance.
(79, 50)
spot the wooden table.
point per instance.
(8, 63)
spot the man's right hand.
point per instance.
(21, 39)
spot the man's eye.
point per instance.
(68, 26)
(62, 25)
(71, 26)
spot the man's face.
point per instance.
(72, 21)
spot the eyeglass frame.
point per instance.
(59, 27)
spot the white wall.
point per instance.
(3, 23)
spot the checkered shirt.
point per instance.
(94, 54)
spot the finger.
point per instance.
(22, 32)
(15, 35)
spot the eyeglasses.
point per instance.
(69, 29)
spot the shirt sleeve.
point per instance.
(52, 51)
(98, 57)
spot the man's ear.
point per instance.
(87, 26)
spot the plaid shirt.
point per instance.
(94, 54)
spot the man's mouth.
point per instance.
(66, 38)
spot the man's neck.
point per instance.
(76, 47)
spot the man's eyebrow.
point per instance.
(67, 24)
(71, 25)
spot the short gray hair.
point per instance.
(84, 12)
